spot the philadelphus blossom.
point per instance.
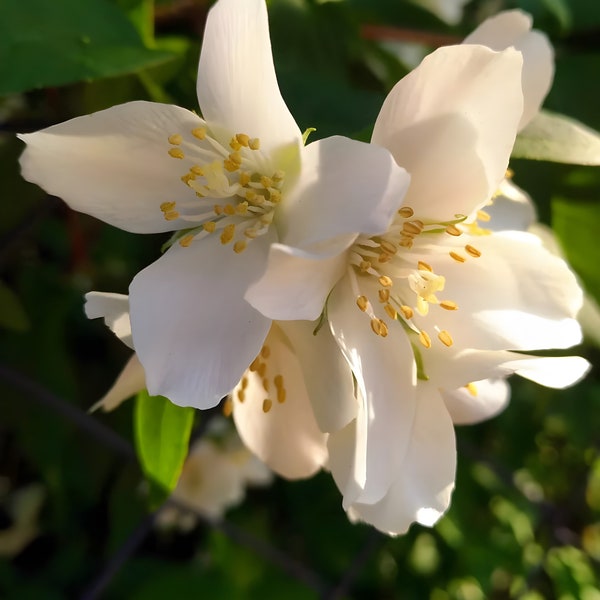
(229, 185)
(431, 316)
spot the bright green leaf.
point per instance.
(162, 433)
(557, 138)
(12, 313)
(577, 224)
(46, 44)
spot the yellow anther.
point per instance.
(424, 339)
(239, 246)
(241, 395)
(197, 170)
(254, 144)
(227, 233)
(209, 226)
(266, 405)
(265, 384)
(281, 395)
(275, 196)
(406, 212)
(365, 265)
(265, 351)
(449, 305)
(251, 195)
(483, 216)
(472, 251)
(262, 369)
(266, 182)
(255, 364)
(278, 175)
(250, 233)
(457, 257)
(509, 174)
(175, 139)
(472, 389)
(411, 228)
(227, 407)
(242, 139)
(453, 230)
(244, 178)
(244, 383)
(218, 209)
(391, 311)
(235, 145)
(199, 133)
(236, 157)
(167, 206)
(186, 240)
(230, 165)
(384, 257)
(176, 153)
(379, 327)
(407, 311)
(278, 381)
(384, 295)
(406, 242)
(362, 303)
(388, 247)
(445, 338)
(229, 209)
(187, 178)
(171, 215)
(423, 266)
(385, 281)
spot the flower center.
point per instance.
(241, 179)
(405, 283)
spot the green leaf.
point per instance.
(557, 138)
(12, 313)
(162, 433)
(577, 223)
(54, 43)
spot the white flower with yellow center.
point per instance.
(229, 184)
(437, 309)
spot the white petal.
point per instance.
(286, 437)
(451, 123)
(385, 373)
(554, 371)
(114, 309)
(512, 209)
(481, 401)
(193, 331)
(237, 86)
(295, 284)
(130, 381)
(425, 479)
(515, 296)
(513, 28)
(346, 188)
(114, 164)
(327, 376)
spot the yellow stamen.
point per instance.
(424, 339)
(227, 407)
(262, 369)
(254, 144)
(407, 311)
(228, 209)
(423, 266)
(278, 381)
(171, 215)
(265, 384)
(384, 295)
(472, 389)
(449, 305)
(175, 139)
(244, 383)
(457, 257)
(385, 281)
(281, 395)
(242, 139)
(176, 153)
(266, 182)
(241, 395)
(239, 246)
(265, 351)
(391, 311)
(230, 165)
(483, 216)
(472, 251)
(453, 230)
(412, 228)
(244, 178)
(209, 226)
(228, 233)
(186, 240)
(379, 327)
(266, 405)
(197, 170)
(445, 338)
(362, 303)
(255, 364)
(199, 133)
(365, 265)
(406, 212)
(167, 206)
(388, 247)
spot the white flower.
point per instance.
(228, 185)
(434, 312)
(214, 478)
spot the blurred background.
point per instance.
(76, 520)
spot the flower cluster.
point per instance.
(351, 301)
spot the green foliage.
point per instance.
(162, 433)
